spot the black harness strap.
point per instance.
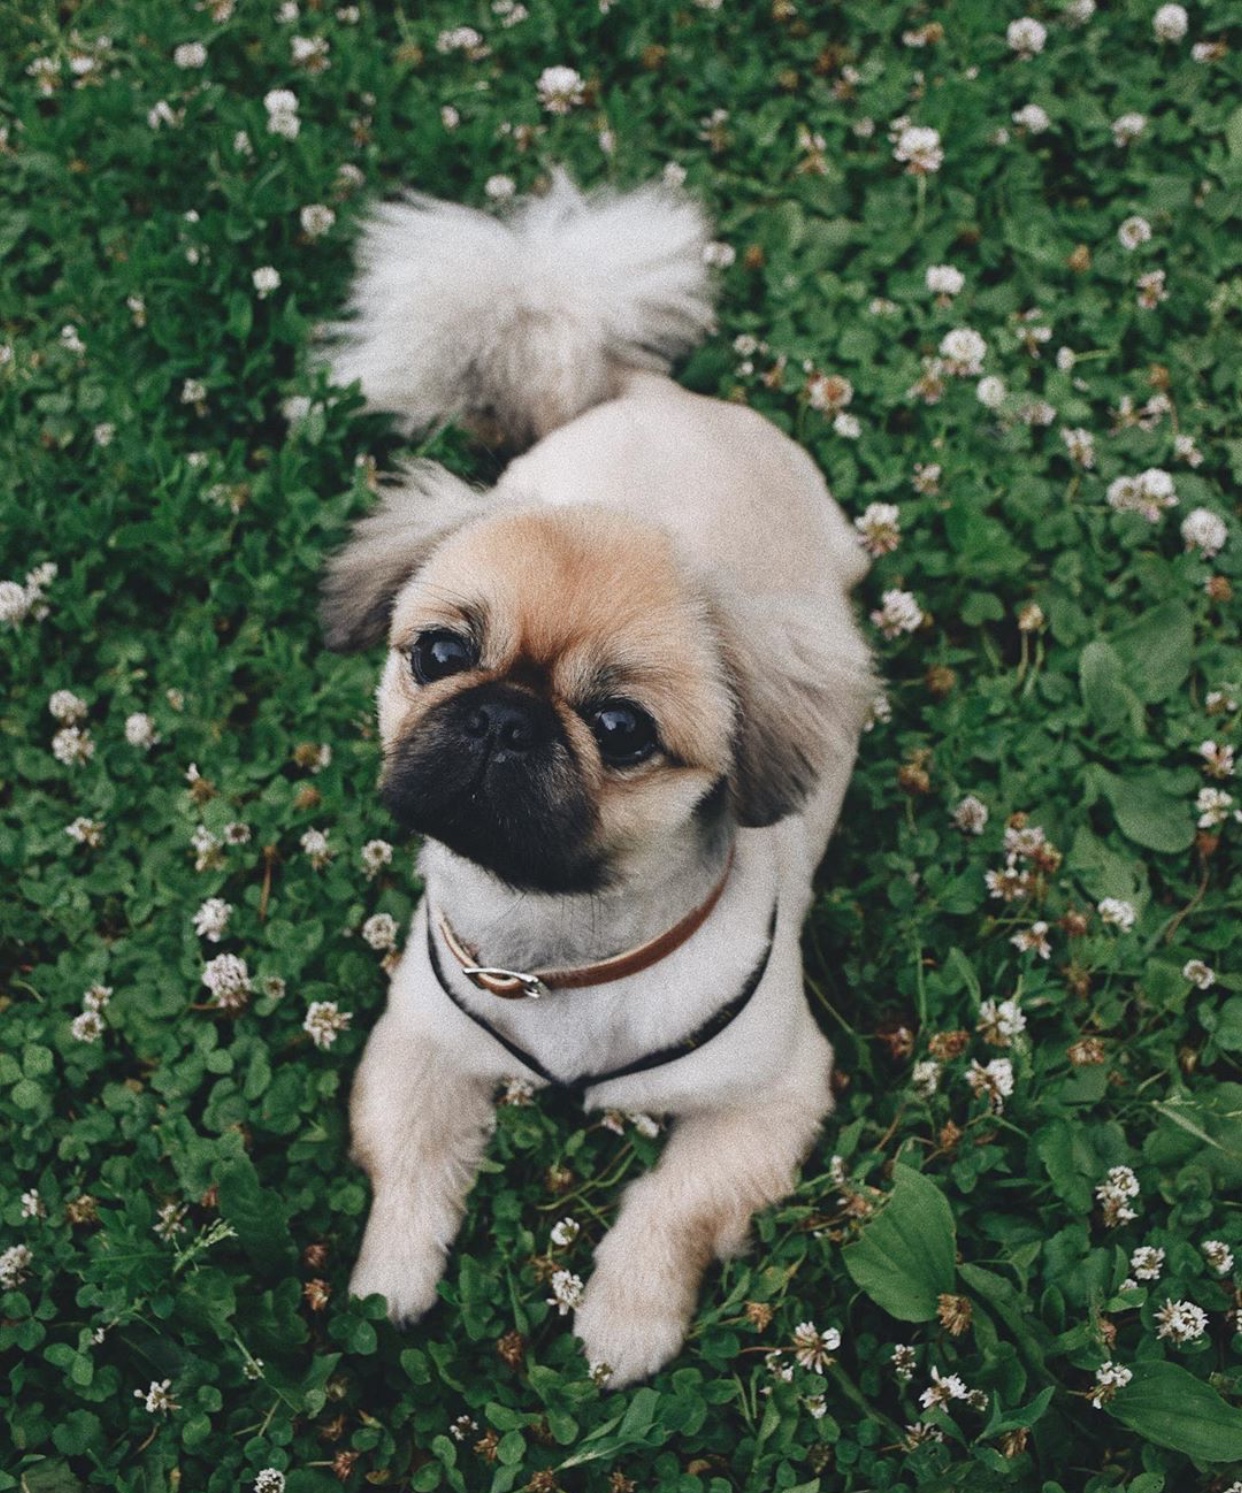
(701, 1035)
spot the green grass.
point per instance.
(189, 1163)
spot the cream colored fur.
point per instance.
(751, 516)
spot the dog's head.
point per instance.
(564, 695)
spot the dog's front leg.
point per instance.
(419, 1128)
(717, 1169)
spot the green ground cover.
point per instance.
(1019, 337)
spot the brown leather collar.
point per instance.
(512, 984)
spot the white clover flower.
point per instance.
(211, 921)
(376, 854)
(1115, 1194)
(1033, 940)
(1181, 1322)
(1117, 913)
(879, 528)
(461, 39)
(316, 219)
(560, 89)
(944, 279)
(157, 1398)
(1026, 37)
(450, 118)
(463, 1426)
(879, 712)
(310, 52)
(963, 351)
(1149, 494)
(324, 1020)
(96, 997)
(1133, 232)
(1080, 446)
(566, 1291)
(898, 612)
(1109, 1378)
(903, 1361)
(943, 1388)
(270, 1480)
(84, 831)
(266, 279)
(499, 188)
(1205, 531)
(242, 143)
(719, 256)
(971, 815)
(1000, 1022)
(1214, 808)
(88, 1027)
(287, 12)
(1185, 449)
(848, 427)
(193, 391)
(1079, 12)
(828, 391)
(73, 746)
(992, 1081)
(920, 148)
(140, 731)
(813, 1349)
(1217, 759)
(1147, 1262)
(1170, 23)
(67, 707)
(15, 1266)
(1128, 127)
(991, 392)
(315, 844)
(380, 931)
(190, 54)
(162, 115)
(1010, 884)
(1218, 1255)
(282, 113)
(564, 1232)
(170, 1220)
(1201, 52)
(33, 1205)
(1151, 289)
(1032, 118)
(228, 979)
(14, 602)
(1201, 975)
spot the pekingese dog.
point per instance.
(621, 703)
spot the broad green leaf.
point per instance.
(1166, 1405)
(1109, 700)
(1157, 649)
(904, 1258)
(1148, 813)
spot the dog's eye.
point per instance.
(625, 733)
(439, 653)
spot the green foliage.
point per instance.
(175, 1161)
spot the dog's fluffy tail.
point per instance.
(522, 322)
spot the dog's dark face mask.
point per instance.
(489, 773)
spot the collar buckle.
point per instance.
(508, 984)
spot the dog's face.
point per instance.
(564, 695)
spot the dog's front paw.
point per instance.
(399, 1269)
(631, 1328)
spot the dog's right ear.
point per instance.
(425, 506)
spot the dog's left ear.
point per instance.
(424, 506)
(802, 680)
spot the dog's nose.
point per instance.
(509, 724)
